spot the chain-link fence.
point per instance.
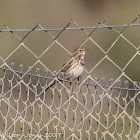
(104, 105)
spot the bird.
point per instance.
(73, 68)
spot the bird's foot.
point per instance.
(76, 83)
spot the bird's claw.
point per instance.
(76, 83)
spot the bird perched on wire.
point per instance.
(74, 67)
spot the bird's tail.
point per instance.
(50, 86)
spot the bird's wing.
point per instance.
(67, 66)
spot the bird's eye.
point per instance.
(80, 50)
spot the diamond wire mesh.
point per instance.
(96, 109)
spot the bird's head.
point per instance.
(80, 53)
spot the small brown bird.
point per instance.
(74, 67)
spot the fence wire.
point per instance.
(104, 105)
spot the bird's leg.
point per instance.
(76, 82)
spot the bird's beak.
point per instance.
(86, 50)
